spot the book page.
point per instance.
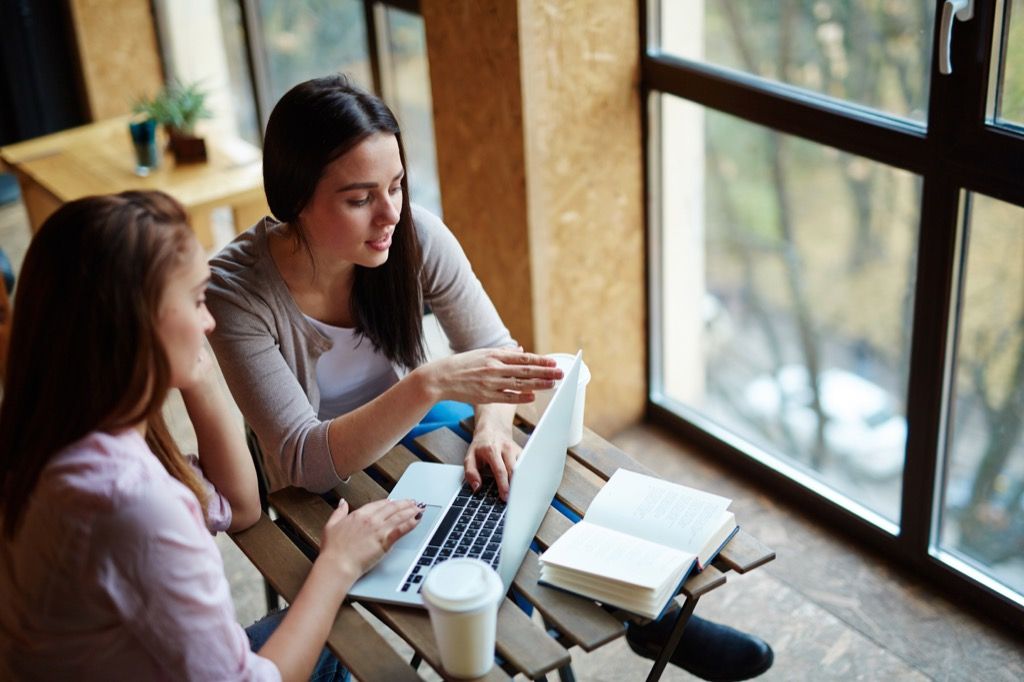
(645, 602)
(659, 511)
(615, 556)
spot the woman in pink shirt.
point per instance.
(107, 562)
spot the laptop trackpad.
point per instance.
(418, 535)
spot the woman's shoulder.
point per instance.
(243, 277)
(241, 258)
(101, 474)
(436, 240)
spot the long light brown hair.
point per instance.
(84, 352)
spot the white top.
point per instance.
(351, 373)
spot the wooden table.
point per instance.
(98, 158)
(522, 645)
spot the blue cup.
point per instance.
(147, 152)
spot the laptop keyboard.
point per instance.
(471, 528)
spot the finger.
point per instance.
(497, 466)
(516, 397)
(518, 384)
(472, 472)
(380, 510)
(510, 455)
(533, 372)
(397, 509)
(371, 508)
(405, 524)
(518, 358)
(338, 514)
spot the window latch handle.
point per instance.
(964, 11)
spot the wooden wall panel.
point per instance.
(118, 53)
(585, 187)
(537, 120)
(473, 48)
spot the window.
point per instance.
(250, 52)
(836, 249)
(379, 44)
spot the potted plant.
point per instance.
(178, 107)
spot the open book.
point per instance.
(640, 539)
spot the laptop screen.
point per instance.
(537, 475)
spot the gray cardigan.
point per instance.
(268, 351)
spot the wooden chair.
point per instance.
(5, 327)
(270, 594)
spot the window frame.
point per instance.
(958, 150)
(260, 79)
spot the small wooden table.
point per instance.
(98, 158)
(522, 646)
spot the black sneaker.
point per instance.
(708, 650)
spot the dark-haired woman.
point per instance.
(319, 309)
(107, 564)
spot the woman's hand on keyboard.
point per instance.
(355, 541)
(494, 449)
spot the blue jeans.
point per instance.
(327, 668)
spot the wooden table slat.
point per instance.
(392, 465)
(552, 526)
(527, 647)
(414, 627)
(744, 553)
(443, 445)
(583, 622)
(578, 488)
(352, 639)
(701, 583)
(359, 489)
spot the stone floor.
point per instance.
(830, 610)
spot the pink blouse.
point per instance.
(115, 575)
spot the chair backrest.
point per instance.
(5, 328)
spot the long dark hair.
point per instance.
(311, 126)
(84, 352)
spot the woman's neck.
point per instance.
(320, 287)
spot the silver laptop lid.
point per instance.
(537, 475)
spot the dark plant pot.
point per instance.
(188, 148)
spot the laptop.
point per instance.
(458, 523)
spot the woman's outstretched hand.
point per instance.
(490, 375)
(356, 541)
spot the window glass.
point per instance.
(875, 53)
(305, 39)
(787, 274)
(203, 41)
(405, 80)
(983, 502)
(1006, 102)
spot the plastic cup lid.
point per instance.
(462, 585)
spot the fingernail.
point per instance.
(421, 505)
(419, 515)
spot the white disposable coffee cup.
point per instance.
(462, 596)
(565, 361)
